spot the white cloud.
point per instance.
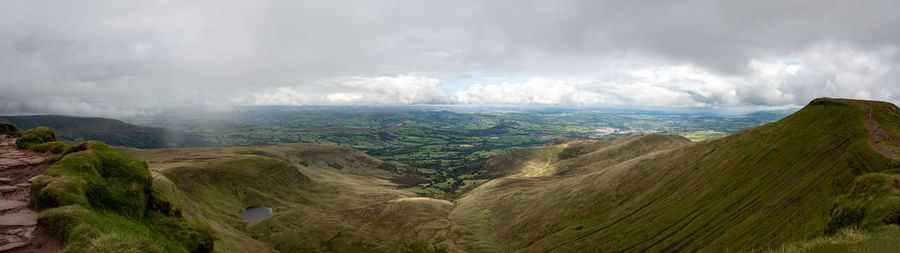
(534, 91)
(821, 70)
(826, 69)
(402, 89)
(145, 54)
(71, 108)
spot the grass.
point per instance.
(324, 197)
(755, 189)
(873, 200)
(839, 242)
(39, 139)
(850, 239)
(703, 135)
(8, 128)
(55, 147)
(97, 199)
(812, 182)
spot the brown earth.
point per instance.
(876, 134)
(18, 222)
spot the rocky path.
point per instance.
(876, 134)
(17, 221)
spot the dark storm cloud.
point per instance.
(118, 58)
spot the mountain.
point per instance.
(110, 131)
(755, 189)
(324, 197)
(824, 178)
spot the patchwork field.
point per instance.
(798, 184)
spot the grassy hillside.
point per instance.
(325, 198)
(568, 156)
(755, 189)
(821, 179)
(96, 199)
(110, 131)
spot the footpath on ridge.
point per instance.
(18, 168)
(876, 134)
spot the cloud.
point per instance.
(534, 91)
(384, 90)
(826, 69)
(70, 108)
(146, 54)
(822, 70)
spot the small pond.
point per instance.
(256, 213)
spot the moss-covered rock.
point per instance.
(35, 136)
(55, 147)
(106, 178)
(874, 200)
(96, 195)
(8, 129)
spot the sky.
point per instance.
(131, 58)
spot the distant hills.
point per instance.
(822, 179)
(110, 131)
(806, 176)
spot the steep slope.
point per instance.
(568, 156)
(110, 131)
(755, 189)
(324, 197)
(824, 178)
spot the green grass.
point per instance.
(755, 189)
(8, 128)
(703, 135)
(35, 136)
(850, 239)
(452, 141)
(324, 197)
(55, 147)
(41, 139)
(873, 200)
(811, 182)
(97, 199)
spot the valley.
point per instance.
(449, 126)
(821, 179)
(440, 150)
(777, 186)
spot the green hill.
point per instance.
(821, 179)
(755, 189)
(324, 197)
(110, 131)
(92, 198)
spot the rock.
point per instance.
(33, 178)
(14, 231)
(21, 218)
(23, 185)
(5, 180)
(35, 160)
(10, 204)
(13, 246)
(4, 239)
(27, 233)
(8, 188)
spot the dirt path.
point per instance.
(17, 221)
(876, 134)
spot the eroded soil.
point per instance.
(18, 222)
(876, 134)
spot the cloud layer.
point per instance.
(118, 59)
